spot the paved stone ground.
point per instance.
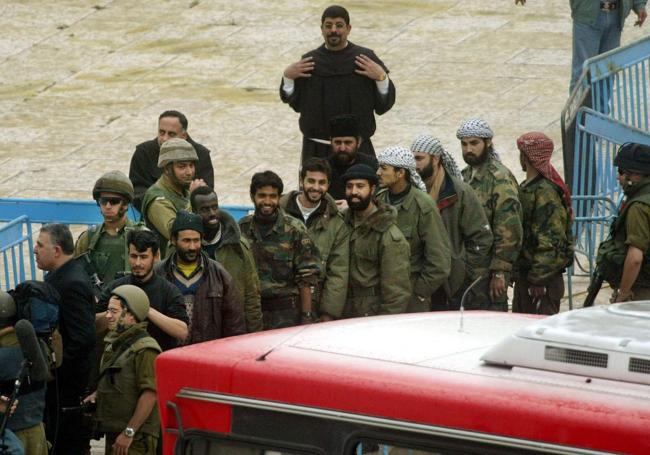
(82, 82)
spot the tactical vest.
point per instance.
(111, 255)
(118, 391)
(613, 251)
(154, 192)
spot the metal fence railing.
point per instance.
(16, 253)
(616, 84)
(23, 218)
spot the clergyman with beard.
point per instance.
(171, 192)
(213, 305)
(167, 316)
(345, 141)
(470, 235)
(288, 262)
(336, 78)
(497, 189)
(380, 264)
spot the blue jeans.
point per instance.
(589, 41)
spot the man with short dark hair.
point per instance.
(336, 78)
(144, 170)
(345, 141)
(287, 260)
(223, 242)
(54, 254)
(213, 305)
(379, 253)
(167, 315)
(314, 207)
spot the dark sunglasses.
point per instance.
(110, 200)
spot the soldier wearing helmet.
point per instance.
(103, 247)
(623, 258)
(126, 390)
(171, 191)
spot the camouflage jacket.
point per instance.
(548, 242)
(496, 188)
(332, 237)
(379, 265)
(286, 256)
(420, 222)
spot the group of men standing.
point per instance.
(404, 230)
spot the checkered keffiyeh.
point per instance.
(425, 143)
(402, 157)
(475, 127)
(538, 148)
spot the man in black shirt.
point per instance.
(336, 78)
(144, 170)
(345, 145)
(167, 315)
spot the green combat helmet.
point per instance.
(136, 300)
(114, 182)
(7, 309)
(176, 149)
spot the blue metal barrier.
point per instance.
(15, 246)
(596, 193)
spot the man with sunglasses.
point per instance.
(103, 247)
(623, 258)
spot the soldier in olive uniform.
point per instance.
(379, 254)
(223, 242)
(126, 392)
(104, 248)
(318, 211)
(288, 263)
(420, 222)
(548, 242)
(470, 236)
(623, 258)
(496, 188)
(171, 191)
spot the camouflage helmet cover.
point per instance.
(135, 298)
(176, 149)
(114, 182)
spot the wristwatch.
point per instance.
(382, 77)
(308, 315)
(498, 275)
(129, 432)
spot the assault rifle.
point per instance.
(594, 287)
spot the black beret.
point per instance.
(186, 220)
(360, 171)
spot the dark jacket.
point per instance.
(144, 170)
(335, 88)
(218, 310)
(337, 185)
(76, 322)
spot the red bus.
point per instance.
(425, 383)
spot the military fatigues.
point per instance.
(159, 207)
(106, 254)
(127, 370)
(379, 265)
(470, 239)
(332, 238)
(631, 228)
(234, 252)
(286, 260)
(430, 257)
(496, 188)
(547, 246)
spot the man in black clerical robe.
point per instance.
(338, 77)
